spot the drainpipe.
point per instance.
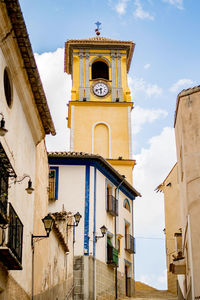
(94, 238)
(191, 258)
(33, 252)
(117, 188)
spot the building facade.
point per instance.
(173, 226)
(88, 184)
(24, 122)
(95, 177)
(99, 114)
(187, 130)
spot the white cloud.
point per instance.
(177, 3)
(181, 84)
(153, 90)
(140, 13)
(141, 116)
(153, 165)
(121, 6)
(57, 86)
(147, 66)
(157, 281)
(139, 84)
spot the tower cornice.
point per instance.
(97, 43)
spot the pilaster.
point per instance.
(81, 87)
(119, 77)
(87, 83)
(113, 75)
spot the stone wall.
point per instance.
(10, 289)
(78, 277)
(58, 292)
(105, 280)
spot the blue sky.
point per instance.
(166, 60)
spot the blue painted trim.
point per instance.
(87, 210)
(56, 180)
(133, 257)
(87, 162)
(126, 201)
(127, 262)
(94, 224)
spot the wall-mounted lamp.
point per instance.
(103, 232)
(29, 189)
(48, 224)
(77, 218)
(3, 130)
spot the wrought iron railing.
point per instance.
(112, 205)
(15, 233)
(3, 196)
(112, 255)
(129, 243)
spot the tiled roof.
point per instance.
(184, 93)
(99, 39)
(72, 154)
(24, 45)
(85, 155)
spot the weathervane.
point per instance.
(97, 30)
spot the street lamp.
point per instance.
(3, 130)
(77, 218)
(48, 222)
(103, 232)
(29, 189)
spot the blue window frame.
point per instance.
(126, 205)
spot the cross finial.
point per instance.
(97, 30)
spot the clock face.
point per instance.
(100, 89)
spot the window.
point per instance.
(112, 253)
(7, 87)
(100, 70)
(129, 239)
(112, 202)
(119, 246)
(127, 205)
(53, 183)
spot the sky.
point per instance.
(165, 61)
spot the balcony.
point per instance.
(129, 243)
(112, 256)
(112, 205)
(11, 240)
(3, 195)
(3, 210)
(178, 266)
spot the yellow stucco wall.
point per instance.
(84, 118)
(100, 125)
(106, 57)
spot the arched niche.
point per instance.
(101, 139)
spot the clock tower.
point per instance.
(99, 113)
